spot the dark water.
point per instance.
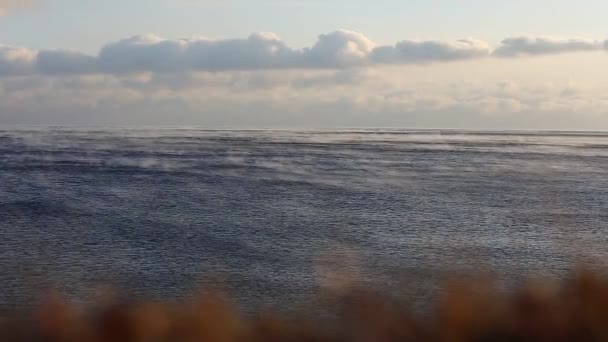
(160, 212)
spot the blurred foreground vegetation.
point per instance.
(575, 309)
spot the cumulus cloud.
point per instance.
(151, 53)
(430, 51)
(340, 49)
(65, 62)
(16, 61)
(520, 46)
(259, 51)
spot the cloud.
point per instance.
(65, 62)
(430, 51)
(521, 46)
(335, 50)
(342, 49)
(151, 53)
(16, 61)
(339, 49)
(295, 99)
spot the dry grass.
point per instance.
(574, 310)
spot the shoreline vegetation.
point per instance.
(573, 309)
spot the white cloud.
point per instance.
(16, 61)
(301, 98)
(430, 51)
(340, 49)
(151, 53)
(151, 81)
(520, 46)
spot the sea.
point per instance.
(274, 217)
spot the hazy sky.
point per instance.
(305, 63)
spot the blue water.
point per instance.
(271, 215)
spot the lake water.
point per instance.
(269, 214)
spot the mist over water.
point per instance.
(163, 212)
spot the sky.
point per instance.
(478, 64)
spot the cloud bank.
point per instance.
(298, 98)
(521, 46)
(340, 49)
